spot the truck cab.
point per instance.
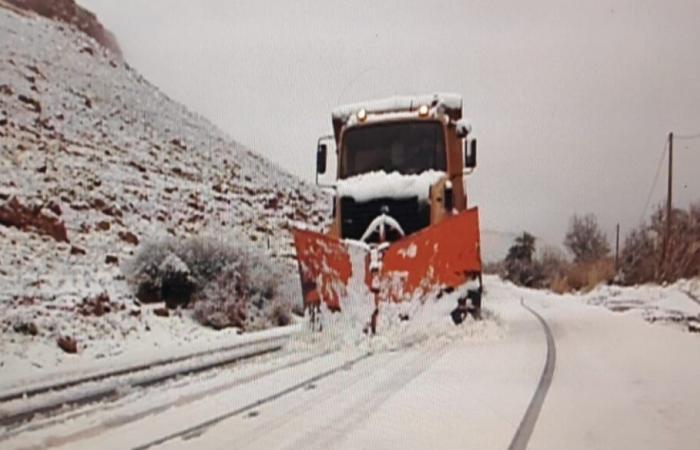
(405, 157)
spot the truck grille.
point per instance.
(355, 217)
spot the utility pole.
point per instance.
(669, 202)
(617, 247)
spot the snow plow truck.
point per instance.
(401, 228)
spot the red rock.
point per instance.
(97, 306)
(272, 203)
(137, 166)
(75, 250)
(161, 312)
(67, 344)
(178, 143)
(14, 214)
(103, 225)
(55, 208)
(98, 203)
(31, 103)
(112, 211)
(129, 237)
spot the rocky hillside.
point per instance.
(95, 160)
(67, 11)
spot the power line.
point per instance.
(687, 136)
(656, 179)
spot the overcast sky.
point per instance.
(571, 101)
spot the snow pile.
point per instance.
(677, 304)
(380, 184)
(428, 322)
(425, 321)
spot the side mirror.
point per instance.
(321, 152)
(470, 153)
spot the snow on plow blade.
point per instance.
(324, 268)
(440, 256)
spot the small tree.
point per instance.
(521, 268)
(585, 240)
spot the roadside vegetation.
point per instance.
(590, 262)
(224, 283)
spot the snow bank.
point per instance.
(677, 304)
(380, 184)
(399, 325)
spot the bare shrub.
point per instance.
(585, 240)
(584, 276)
(683, 248)
(560, 285)
(639, 260)
(553, 264)
(643, 248)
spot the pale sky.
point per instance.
(571, 101)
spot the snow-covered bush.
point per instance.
(229, 283)
(244, 294)
(149, 271)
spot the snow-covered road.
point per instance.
(618, 382)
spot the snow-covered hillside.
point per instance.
(94, 161)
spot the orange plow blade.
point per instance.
(440, 256)
(324, 268)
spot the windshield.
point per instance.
(406, 147)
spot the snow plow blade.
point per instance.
(441, 256)
(324, 268)
(445, 255)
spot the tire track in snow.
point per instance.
(200, 428)
(527, 424)
(330, 433)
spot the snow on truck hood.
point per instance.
(371, 185)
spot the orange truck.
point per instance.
(401, 199)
